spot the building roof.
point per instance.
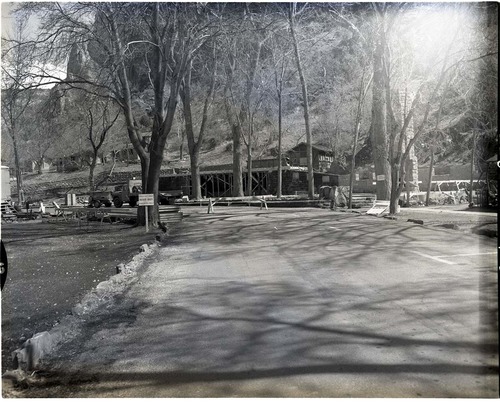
(315, 146)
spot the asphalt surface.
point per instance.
(294, 303)
(51, 267)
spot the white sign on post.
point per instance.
(146, 200)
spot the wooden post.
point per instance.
(146, 200)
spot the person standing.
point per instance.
(333, 198)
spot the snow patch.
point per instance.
(105, 291)
(28, 358)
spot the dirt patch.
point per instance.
(52, 266)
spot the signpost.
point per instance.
(146, 200)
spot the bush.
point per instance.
(210, 144)
(71, 166)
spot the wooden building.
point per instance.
(217, 181)
(322, 157)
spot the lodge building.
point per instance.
(216, 181)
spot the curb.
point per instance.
(485, 232)
(492, 233)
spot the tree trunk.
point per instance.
(379, 125)
(396, 188)
(92, 166)
(362, 94)
(152, 186)
(141, 216)
(39, 164)
(237, 166)
(407, 182)
(237, 189)
(247, 113)
(194, 156)
(353, 163)
(280, 168)
(195, 177)
(303, 84)
(181, 148)
(238, 122)
(431, 167)
(19, 178)
(126, 105)
(194, 145)
(249, 164)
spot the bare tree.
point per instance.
(430, 89)
(17, 59)
(39, 129)
(133, 45)
(98, 123)
(243, 57)
(363, 90)
(292, 14)
(147, 56)
(194, 144)
(379, 106)
(249, 139)
(279, 75)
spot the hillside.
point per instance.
(59, 183)
(213, 153)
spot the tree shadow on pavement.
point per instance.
(229, 331)
(333, 329)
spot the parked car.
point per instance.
(169, 197)
(128, 192)
(98, 198)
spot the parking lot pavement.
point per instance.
(296, 303)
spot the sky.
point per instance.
(6, 19)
